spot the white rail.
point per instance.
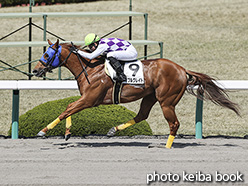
(17, 85)
(72, 84)
(71, 14)
(44, 43)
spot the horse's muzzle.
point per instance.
(39, 72)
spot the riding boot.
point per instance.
(118, 68)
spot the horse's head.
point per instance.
(49, 60)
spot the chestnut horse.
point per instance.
(165, 82)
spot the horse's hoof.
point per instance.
(67, 134)
(162, 146)
(41, 133)
(67, 137)
(111, 132)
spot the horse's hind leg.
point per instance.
(170, 116)
(168, 101)
(145, 108)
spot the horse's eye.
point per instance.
(46, 56)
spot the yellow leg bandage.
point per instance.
(170, 141)
(125, 125)
(53, 124)
(68, 122)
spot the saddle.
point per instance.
(135, 76)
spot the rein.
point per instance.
(73, 48)
(84, 69)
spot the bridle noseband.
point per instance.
(55, 61)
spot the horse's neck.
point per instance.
(76, 67)
(73, 65)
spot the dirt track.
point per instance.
(120, 161)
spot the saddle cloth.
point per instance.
(133, 70)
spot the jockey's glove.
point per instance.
(73, 49)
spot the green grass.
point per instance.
(91, 121)
(206, 36)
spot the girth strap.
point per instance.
(116, 92)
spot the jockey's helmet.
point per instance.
(91, 38)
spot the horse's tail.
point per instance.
(207, 89)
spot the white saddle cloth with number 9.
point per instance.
(133, 70)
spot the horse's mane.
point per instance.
(99, 59)
(68, 46)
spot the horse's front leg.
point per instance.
(71, 109)
(93, 96)
(68, 128)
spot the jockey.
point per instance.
(114, 48)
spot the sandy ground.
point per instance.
(117, 161)
(205, 36)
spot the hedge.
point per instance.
(91, 121)
(20, 2)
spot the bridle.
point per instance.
(55, 61)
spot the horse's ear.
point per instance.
(57, 43)
(49, 42)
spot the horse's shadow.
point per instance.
(176, 145)
(100, 144)
(122, 144)
(184, 145)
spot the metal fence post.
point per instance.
(15, 114)
(198, 118)
(145, 36)
(44, 30)
(161, 49)
(31, 3)
(30, 39)
(130, 21)
(59, 73)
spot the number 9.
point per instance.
(134, 68)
